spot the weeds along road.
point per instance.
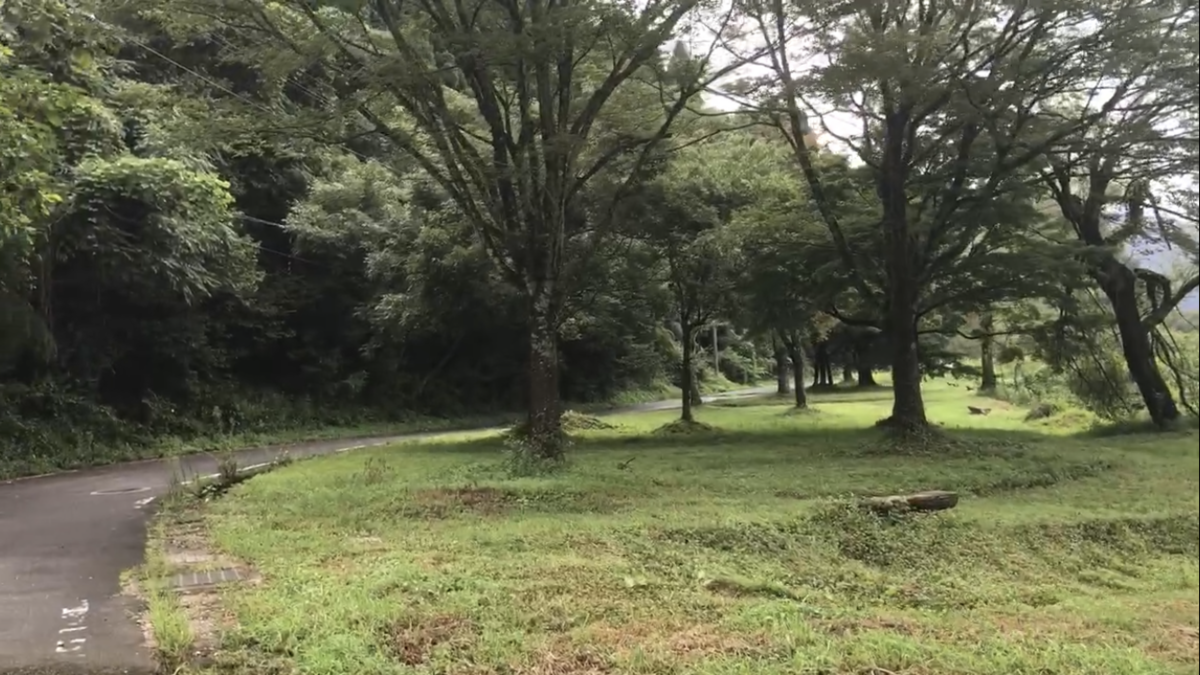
(65, 539)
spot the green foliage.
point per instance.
(161, 227)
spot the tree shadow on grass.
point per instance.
(804, 464)
(810, 441)
(817, 397)
(833, 437)
(819, 440)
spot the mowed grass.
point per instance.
(732, 552)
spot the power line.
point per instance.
(217, 85)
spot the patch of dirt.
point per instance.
(187, 548)
(846, 627)
(568, 663)
(706, 641)
(439, 503)
(697, 641)
(443, 502)
(415, 641)
(1177, 643)
(207, 618)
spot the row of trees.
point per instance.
(360, 200)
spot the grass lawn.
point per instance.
(724, 553)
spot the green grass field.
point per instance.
(734, 552)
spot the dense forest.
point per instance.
(228, 216)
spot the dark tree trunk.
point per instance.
(822, 365)
(797, 356)
(987, 359)
(908, 405)
(783, 384)
(866, 375)
(687, 375)
(862, 359)
(848, 372)
(1120, 286)
(545, 421)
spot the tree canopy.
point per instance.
(227, 214)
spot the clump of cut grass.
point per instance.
(576, 421)
(418, 640)
(685, 428)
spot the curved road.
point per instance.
(66, 538)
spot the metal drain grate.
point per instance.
(207, 578)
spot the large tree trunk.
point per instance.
(783, 385)
(862, 359)
(826, 366)
(848, 372)
(987, 359)
(796, 353)
(908, 405)
(1120, 286)
(866, 375)
(545, 414)
(822, 365)
(687, 376)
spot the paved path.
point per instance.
(66, 538)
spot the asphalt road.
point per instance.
(65, 539)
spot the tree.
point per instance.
(684, 216)
(945, 94)
(111, 238)
(987, 354)
(780, 284)
(513, 109)
(1113, 182)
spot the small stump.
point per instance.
(934, 500)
